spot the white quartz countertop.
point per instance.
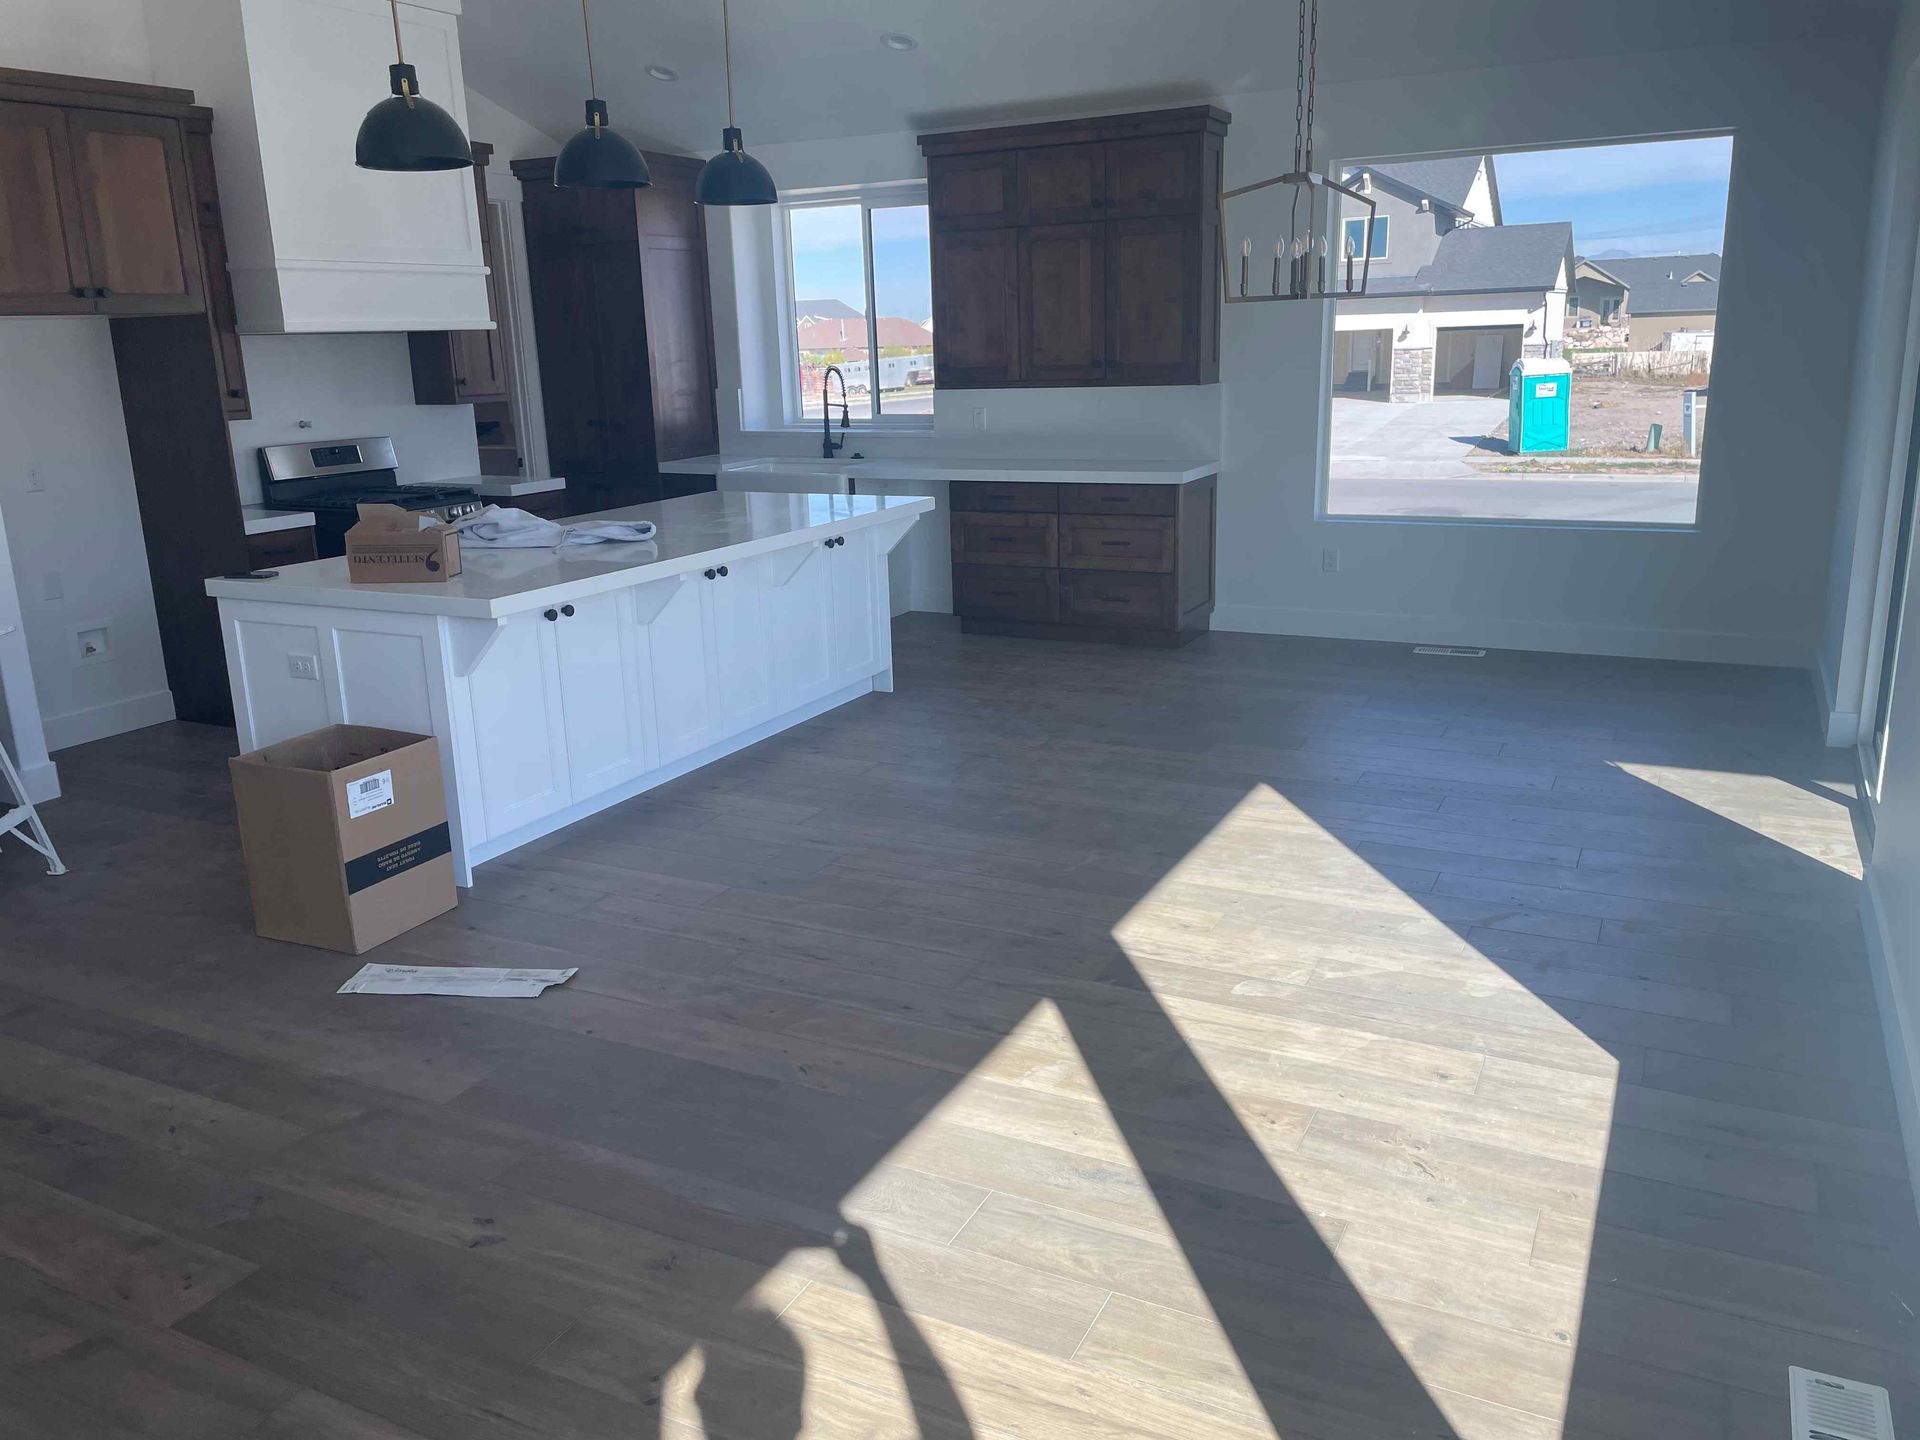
(695, 531)
(261, 520)
(1011, 469)
(499, 487)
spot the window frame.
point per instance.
(1707, 496)
(888, 195)
(1382, 230)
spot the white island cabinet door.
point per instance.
(601, 695)
(798, 600)
(519, 731)
(740, 650)
(859, 608)
(678, 682)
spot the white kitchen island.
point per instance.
(561, 682)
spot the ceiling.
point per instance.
(817, 69)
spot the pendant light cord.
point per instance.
(400, 54)
(586, 29)
(726, 41)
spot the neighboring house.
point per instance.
(1666, 293)
(848, 335)
(806, 310)
(1455, 295)
(1599, 296)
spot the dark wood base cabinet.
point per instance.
(1121, 564)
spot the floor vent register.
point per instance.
(1825, 1407)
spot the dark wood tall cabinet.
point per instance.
(624, 325)
(109, 206)
(1077, 253)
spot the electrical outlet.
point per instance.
(36, 482)
(1330, 561)
(51, 588)
(91, 645)
(979, 417)
(303, 667)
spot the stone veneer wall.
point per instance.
(1412, 374)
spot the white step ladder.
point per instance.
(23, 820)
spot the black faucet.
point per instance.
(830, 447)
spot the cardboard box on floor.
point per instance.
(345, 836)
(388, 545)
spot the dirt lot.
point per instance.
(1610, 417)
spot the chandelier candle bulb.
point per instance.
(1279, 249)
(1246, 254)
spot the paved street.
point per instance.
(1418, 460)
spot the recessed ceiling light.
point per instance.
(894, 40)
(663, 72)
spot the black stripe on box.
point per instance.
(398, 858)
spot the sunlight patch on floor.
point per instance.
(1815, 822)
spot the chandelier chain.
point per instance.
(1300, 92)
(1313, 68)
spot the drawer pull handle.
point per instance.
(1000, 539)
(1005, 594)
(1113, 599)
(1118, 544)
(1113, 499)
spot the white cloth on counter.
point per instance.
(505, 528)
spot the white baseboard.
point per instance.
(1566, 637)
(1841, 727)
(42, 782)
(1896, 1024)
(97, 722)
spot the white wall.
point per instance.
(327, 387)
(1747, 586)
(78, 554)
(1885, 364)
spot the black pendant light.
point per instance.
(405, 132)
(599, 158)
(733, 177)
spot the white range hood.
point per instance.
(314, 242)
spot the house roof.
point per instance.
(1493, 257)
(1449, 181)
(851, 335)
(1660, 285)
(824, 310)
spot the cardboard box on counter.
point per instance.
(344, 831)
(389, 545)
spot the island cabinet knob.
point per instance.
(723, 570)
(553, 614)
(711, 573)
(567, 610)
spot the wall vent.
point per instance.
(1463, 652)
(1825, 1407)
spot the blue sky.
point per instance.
(1658, 197)
(827, 263)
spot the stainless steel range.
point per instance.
(333, 477)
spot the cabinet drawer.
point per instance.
(1111, 597)
(1117, 542)
(1118, 499)
(1004, 539)
(992, 495)
(280, 547)
(1006, 592)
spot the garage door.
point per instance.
(1474, 359)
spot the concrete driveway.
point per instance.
(1417, 460)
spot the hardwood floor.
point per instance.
(1269, 1037)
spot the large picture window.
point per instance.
(1536, 344)
(859, 282)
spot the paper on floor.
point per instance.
(454, 980)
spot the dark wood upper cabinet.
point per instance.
(1063, 304)
(43, 246)
(459, 367)
(136, 207)
(973, 192)
(624, 326)
(1079, 252)
(222, 321)
(1156, 175)
(1062, 184)
(976, 307)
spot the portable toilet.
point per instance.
(1540, 400)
